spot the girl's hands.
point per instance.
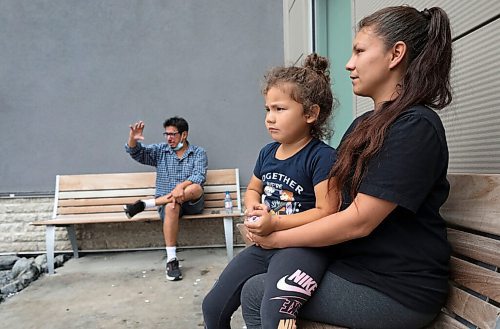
(263, 224)
(251, 208)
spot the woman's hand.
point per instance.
(271, 241)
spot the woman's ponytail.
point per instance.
(426, 81)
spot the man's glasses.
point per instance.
(170, 134)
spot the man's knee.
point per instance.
(171, 211)
(193, 192)
(196, 187)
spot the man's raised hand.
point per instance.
(136, 130)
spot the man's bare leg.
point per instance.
(171, 228)
(139, 206)
(172, 211)
(171, 224)
(193, 192)
(163, 200)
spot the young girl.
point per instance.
(291, 174)
(389, 254)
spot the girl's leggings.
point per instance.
(292, 277)
(337, 302)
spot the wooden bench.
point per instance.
(472, 213)
(91, 199)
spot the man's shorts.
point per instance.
(192, 207)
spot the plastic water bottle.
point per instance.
(228, 203)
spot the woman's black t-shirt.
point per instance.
(406, 257)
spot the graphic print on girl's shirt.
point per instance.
(280, 201)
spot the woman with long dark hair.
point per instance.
(388, 247)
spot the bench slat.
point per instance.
(482, 223)
(219, 214)
(473, 309)
(475, 246)
(101, 201)
(476, 278)
(106, 181)
(115, 217)
(105, 193)
(99, 209)
(221, 177)
(474, 202)
(444, 321)
(132, 199)
(120, 217)
(219, 195)
(133, 180)
(219, 204)
(220, 188)
(119, 208)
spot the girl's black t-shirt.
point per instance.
(406, 257)
(289, 184)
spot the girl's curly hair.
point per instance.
(307, 85)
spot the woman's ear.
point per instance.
(312, 114)
(398, 52)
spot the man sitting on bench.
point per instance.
(180, 174)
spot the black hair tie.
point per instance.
(426, 13)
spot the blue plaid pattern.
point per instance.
(170, 170)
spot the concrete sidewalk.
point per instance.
(119, 290)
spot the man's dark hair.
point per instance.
(178, 123)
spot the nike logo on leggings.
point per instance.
(306, 284)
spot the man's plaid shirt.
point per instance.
(170, 170)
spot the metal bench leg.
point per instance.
(72, 239)
(228, 232)
(49, 245)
